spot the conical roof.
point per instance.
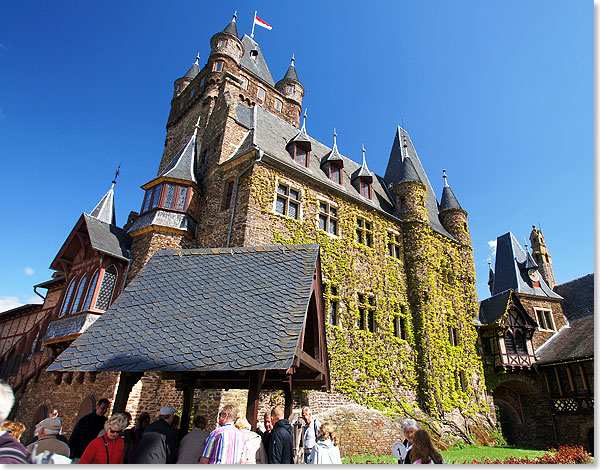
(194, 70)
(333, 155)
(105, 209)
(449, 200)
(183, 165)
(291, 72)
(363, 171)
(231, 28)
(407, 172)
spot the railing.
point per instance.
(573, 405)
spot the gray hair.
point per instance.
(7, 400)
(409, 423)
(119, 419)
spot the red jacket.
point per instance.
(95, 452)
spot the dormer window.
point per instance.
(218, 66)
(334, 172)
(253, 54)
(301, 154)
(365, 188)
(222, 43)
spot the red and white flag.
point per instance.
(262, 23)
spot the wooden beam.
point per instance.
(287, 390)
(189, 387)
(310, 362)
(256, 382)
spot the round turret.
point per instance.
(452, 216)
(181, 83)
(227, 45)
(410, 192)
(290, 87)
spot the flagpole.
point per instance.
(253, 24)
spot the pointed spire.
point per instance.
(302, 136)
(304, 120)
(291, 73)
(490, 275)
(183, 165)
(333, 154)
(231, 28)
(449, 200)
(364, 171)
(105, 209)
(194, 69)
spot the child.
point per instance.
(423, 450)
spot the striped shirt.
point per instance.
(226, 445)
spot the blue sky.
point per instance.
(499, 93)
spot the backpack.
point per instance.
(48, 457)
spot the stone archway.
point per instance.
(509, 420)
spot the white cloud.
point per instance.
(34, 299)
(492, 246)
(29, 271)
(7, 303)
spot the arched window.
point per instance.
(105, 293)
(75, 306)
(90, 292)
(68, 295)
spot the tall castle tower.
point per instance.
(542, 256)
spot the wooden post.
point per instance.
(126, 383)
(188, 387)
(287, 390)
(257, 380)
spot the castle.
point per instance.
(240, 169)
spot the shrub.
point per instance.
(564, 454)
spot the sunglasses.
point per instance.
(112, 431)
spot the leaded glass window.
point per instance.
(287, 201)
(90, 293)
(105, 293)
(74, 307)
(169, 195)
(68, 295)
(182, 197)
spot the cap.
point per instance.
(167, 411)
(51, 424)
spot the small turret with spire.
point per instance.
(452, 216)
(182, 83)
(290, 87)
(226, 45)
(362, 178)
(542, 256)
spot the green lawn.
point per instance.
(456, 455)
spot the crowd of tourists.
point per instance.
(97, 439)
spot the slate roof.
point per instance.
(193, 71)
(231, 28)
(257, 66)
(449, 200)
(183, 165)
(511, 271)
(291, 73)
(271, 134)
(397, 171)
(578, 296)
(105, 209)
(70, 325)
(572, 342)
(108, 238)
(195, 310)
(492, 308)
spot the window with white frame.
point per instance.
(327, 218)
(545, 319)
(393, 244)
(364, 232)
(287, 201)
(260, 93)
(278, 105)
(218, 66)
(244, 83)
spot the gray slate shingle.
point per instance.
(196, 310)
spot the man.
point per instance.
(87, 429)
(281, 443)
(47, 438)
(159, 441)
(266, 434)
(11, 450)
(311, 431)
(409, 428)
(227, 444)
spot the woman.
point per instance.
(409, 427)
(325, 450)
(108, 448)
(423, 450)
(256, 450)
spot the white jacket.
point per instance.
(325, 452)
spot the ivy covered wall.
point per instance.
(419, 345)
